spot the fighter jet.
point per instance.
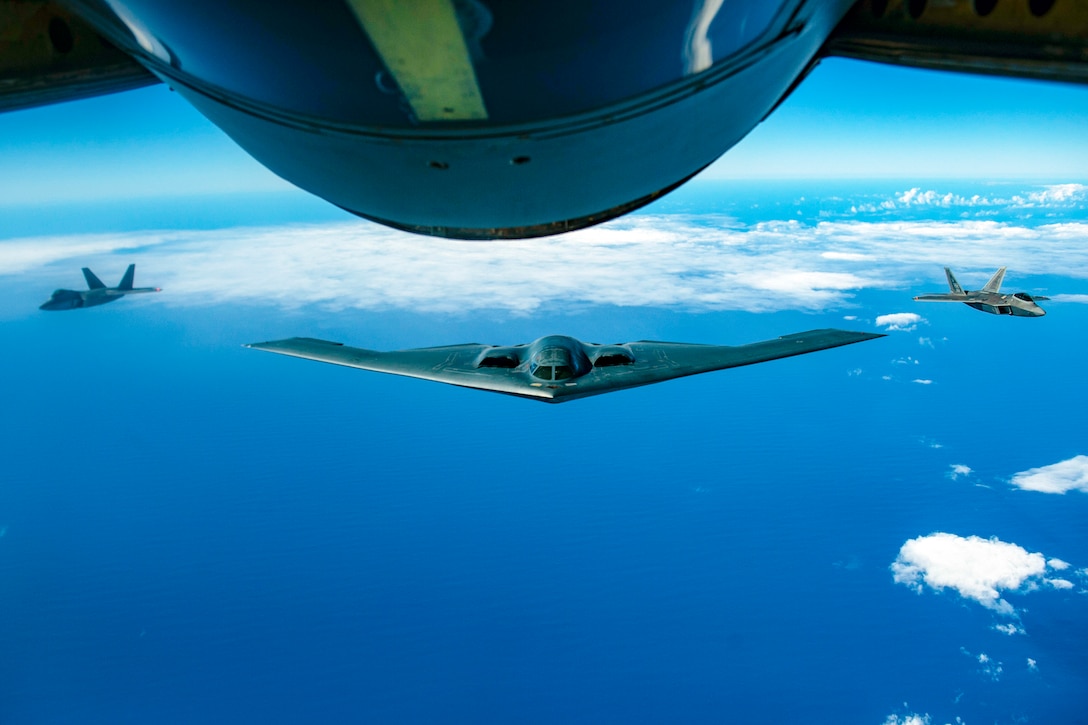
(558, 368)
(481, 119)
(97, 293)
(989, 299)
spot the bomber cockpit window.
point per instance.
(544, 372)
(562, 372)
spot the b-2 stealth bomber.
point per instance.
(989, 298)
(557, 368)
(96, 292)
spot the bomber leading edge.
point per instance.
(558, 368)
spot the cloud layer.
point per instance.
(705, 262)
(975, 568)
(1061, 477)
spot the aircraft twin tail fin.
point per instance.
(953, 285)
(93, 282)
(994, 284)
(126, 281)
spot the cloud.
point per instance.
(1009, 629)
(911, 719)
(990, 667)
(958, 469)
(22, 255)
(904, 321)
(1075, 299)
(1053, 196)
(846, 256)
(1069, 475)
(692, 262)
(922, 381)
(1033, 665)
(976, 568)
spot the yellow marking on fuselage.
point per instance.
(422, 46)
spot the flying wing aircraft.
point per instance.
(481, 119)
(989, 298)
(96, 292)
(557, 368)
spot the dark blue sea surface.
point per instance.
(191, 531)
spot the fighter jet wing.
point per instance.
(452, 364)
(506, 370)
(941, 298)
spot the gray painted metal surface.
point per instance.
(989, 298)
(96, 293)
(558, 368)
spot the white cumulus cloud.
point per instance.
(1068, 475)
(958, 469)
(922, 381)
(904, 321)
(911, 719)
(975, 568)
(1049, 197)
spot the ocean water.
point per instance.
(191, 531)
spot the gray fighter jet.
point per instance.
(97, 293)
(557, 368)
(989, 298)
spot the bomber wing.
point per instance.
(452, 364)
(656, 362)
(650, 362)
